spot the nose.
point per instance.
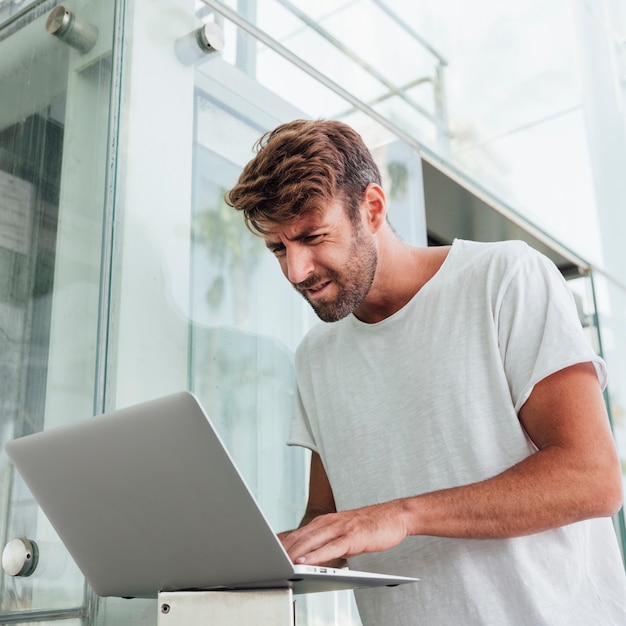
(298, 264)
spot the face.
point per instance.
(329, 260)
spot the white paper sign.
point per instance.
(15, 213)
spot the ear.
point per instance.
(374, 207)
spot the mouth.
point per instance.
(315, 291)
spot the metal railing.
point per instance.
(439, 118)
(262, 36)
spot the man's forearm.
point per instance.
(544, 491)
(539, 493)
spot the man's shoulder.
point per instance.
(511, 248)
(481, 255)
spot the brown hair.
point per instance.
(300, 166)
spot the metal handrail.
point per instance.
(274, 45)
(400, 22)
(372, 71)
(439, 119)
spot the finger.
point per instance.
(334, 551)
(289, 539)
(325, 541)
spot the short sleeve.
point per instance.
(301, 433)
(539, 331)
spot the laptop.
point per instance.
(147, 499)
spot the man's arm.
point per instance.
(575, 475)
(321, 502)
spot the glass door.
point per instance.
(55, 78)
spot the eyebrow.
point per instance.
(307, 232)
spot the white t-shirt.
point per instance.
(428, 399)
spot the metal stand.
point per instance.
(271, 607)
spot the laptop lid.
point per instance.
(147, 499)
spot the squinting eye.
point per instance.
(277, 250)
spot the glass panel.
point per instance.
(584, 297)
(53, 145)
(198, 301)
(360, 60)
(246, 319)
(601, 306)
(514, 122)
(16, 8)
(516, 116)
(611, 302)
(601, 30)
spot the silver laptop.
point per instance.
(147, 499)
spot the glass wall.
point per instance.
(611, 301)
(601, 36)
(54, 137)
(197, 302)
(491, 90)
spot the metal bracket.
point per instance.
(271, 607)
(196, 46)
(75, 32)
(20, 557)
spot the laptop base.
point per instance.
(271, 607)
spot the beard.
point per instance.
(353, 283)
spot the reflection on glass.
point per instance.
(611, 300)
(51, 202)
(240, 368)
(601, 305)
(31, 156)
(246, 320)
(460, 80)
(11, 8)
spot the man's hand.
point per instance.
(342, 535)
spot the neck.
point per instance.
(401, 272)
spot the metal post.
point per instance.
(271, 607)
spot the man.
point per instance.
(452, 405)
